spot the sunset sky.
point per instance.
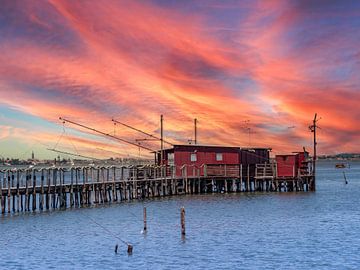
(237, 66)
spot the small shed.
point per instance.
(286, 165)
(292, 165)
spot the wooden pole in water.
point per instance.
(182, 220)
(47, 203)
(9, 192)
(346, 182)
(241, 178)
(18, 190)
(1, 194)
(12, 185)
(144, 213)
(71, 187)
(41, 204)
(54, 191)
(130, 249)
(248, 179)
(34, 191)
(2, 198)
(27, 196)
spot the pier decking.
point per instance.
(38, 189)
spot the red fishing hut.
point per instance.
(218, 160)
(292, 165)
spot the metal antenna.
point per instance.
(141, 131)
(195, 130)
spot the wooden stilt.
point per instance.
(144, 214)
(47, 204)
(182, 220)
(18, 190)
(41, 203)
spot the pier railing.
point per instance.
(31, 189)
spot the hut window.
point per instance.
(171, 159)
(219, 156)
(193, 157)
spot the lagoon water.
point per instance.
(317, 230)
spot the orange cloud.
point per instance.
(136, 60)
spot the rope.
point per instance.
(106, 229)
(101, 226)
(60, 136)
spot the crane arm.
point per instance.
(105, 134)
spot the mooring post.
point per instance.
(182, 220)
(144, 214)
(130, 249)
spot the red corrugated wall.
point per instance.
(287, 165)
(183, 157)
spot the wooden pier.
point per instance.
(39, 189)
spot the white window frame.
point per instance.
(193, 157)
(219, 157)
(171, 159)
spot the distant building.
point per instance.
(32, 155)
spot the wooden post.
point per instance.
(34, 191)
(2, 200)
(312, 128)
(9, 192)
(53, 196)
(27, 197)
(241, 177)
(182, 220)
(248, 179)
(41, 204)
(60, 189)
(115, 195)
(161, 142)
(108, 186)
(77, 172)
(18, 189)
(48, 190)
(84, 194)
(130, 249)
(71, 187)
(2, 197)
(64, 197)
(144, 214)
(1, 203)
(199, 181)
(12, 185)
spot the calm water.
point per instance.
(226, 231)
